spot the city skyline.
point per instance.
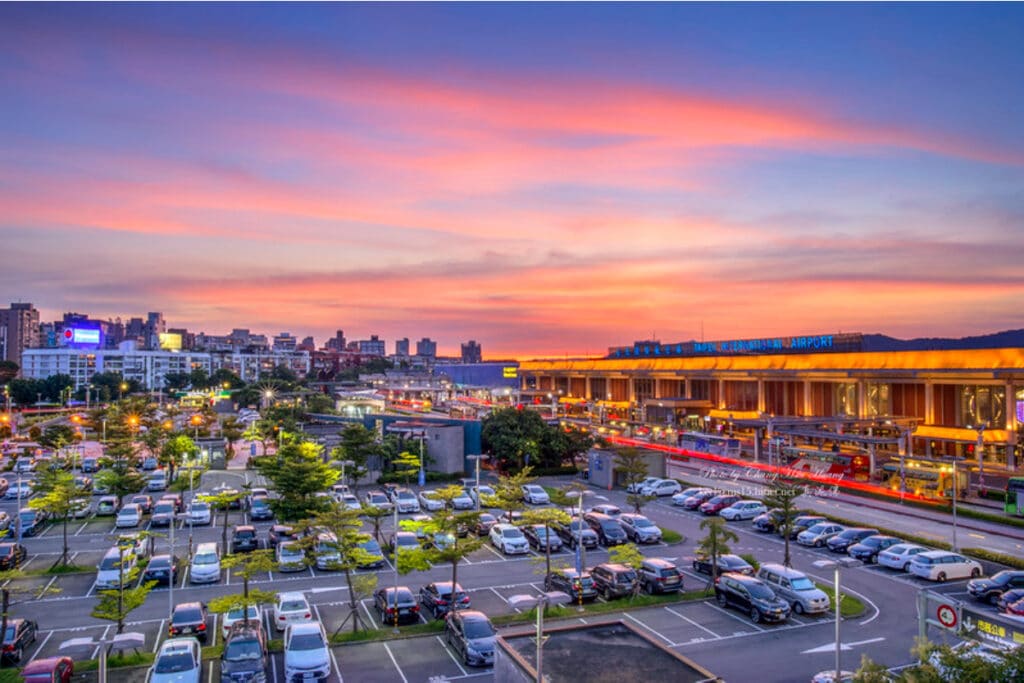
(545, 179)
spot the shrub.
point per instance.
(399, 478)
(751, 560)
(999, 558)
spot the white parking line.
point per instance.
(395, 662)
(640, 623)
(503, 598)
(82, 528)
(452, 655)
(159, 631)
(41, 646)
(368, 614)
(733, 616)
(691, 621)
(341, 679)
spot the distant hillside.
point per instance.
(997, 340)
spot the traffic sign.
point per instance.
(946, 615)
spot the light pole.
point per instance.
(540, 602)
(104, 430)
(18, 528)
(422, 479)
(956, 485)
(980, 448)
(85, 647)
(395, 543)
(121, 388)
(836, 565)
(581, 552)
(478, 458)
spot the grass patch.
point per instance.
(10, 676)
(670, 536)
(851, 606)
(117, 661)
(367, 635)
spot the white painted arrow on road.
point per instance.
(831, 647)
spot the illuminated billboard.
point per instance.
(510, 372)
(82, 335)
(170, 341)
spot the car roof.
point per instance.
(658, 562)
(291, 595)
(42, 665)
(188, 605)
(779, 569)
(178, 645)
(936, 553)
(305, 627)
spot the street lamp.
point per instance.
(196, 420)
(980, 448)
(85, 647)
(478, 458)
(121, 388)
(847, 562)
(581, 552)
(540, 602)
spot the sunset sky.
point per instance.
(546, 179)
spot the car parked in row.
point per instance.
(991, 589)
(680, 498)
(535, 495)
(609, 531)
(726, 563)
(639, 529)
(577, 585)
(614, 580)
(291, 608)
(942, 565)
(161, 568)
(32, 521)
(116, 566)
(472, 636)
(439, 597)
(307, 656)
(800, 524)
(484, 522)
(768, 521)
(259, 509)
(403, 540)
(379, 500)
(108, 506)
(637, 487)
(657, 575)
(199, 513)
(178, 661)
(12, 555)
(818, 535)
(20, 634)
(244, 539)
(238, 615)
(245, 657)
(542, 538)
(606, 509)
(743, 509)
(144, 501)
(661, 487)
(899, 556)
(509, 539)
(842, 541)
(290, 557)
(205, 567)
(1013, 598)
(279, 533)
(129, 516)
(430, 501)
(163, 514)
(750, 595)
(867, 550)
(577, 532)
(795, 588)
(189, 619)
(717, 504)
(48, 670)
(396, 605)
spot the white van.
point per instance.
(111, 569)
(205, 567)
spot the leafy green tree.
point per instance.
(199, 379)
(559, 446)
(943, 663)
(232, 430)
(116, 605)
(246, 565)
(407, 465)
(223, 376)
(298, 473)
(548, 517)
(358, 444)
(176, 381)
(508, 492)
(221, 501)
(24, 391)
(60, 497)
(631, 466)
(284, 374)
(8, 371)
(57, 436)
(715, 544)
(513, 437)
(376, 516)
(320, 403)
(177, 450)
(783, 498)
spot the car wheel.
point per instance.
(722, 600)
(649, 588)
(798, 608)
(906, 566)
(975, 573)
(18, 654)
(818, 544)
(941, 577)
(696, 567)
(755, 615)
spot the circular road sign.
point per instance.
(947, 616)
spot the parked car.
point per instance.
(842, 541)
(657, 575)
(439, 598)
(535, 495)
(485, 491)
(395, 605)
(145, 502)
(942, 565)
(662, 487)
(868, 549)
(244, 658)
(140, 544)
(609, 531)
(306, 653)
(542, 537)
(349, 502)
(990, 589)
(509, 539)
(463, 502)
(801, 523)
(406, 501)
(680, 498)
(326, 555)
(717, 504)
(128, 517)
(25, 465)
(49, 670)
(157, 481)
(179, 504)
(290, 557)
(205, 566)
(79, 508)
(237, 616)
(743, 509)
(795, 588)
(639, 529)
(376, 554)
(19, 635)
(244, 539)
(766, 522)
(108, 506)
(638, 486)
(576, 532)
(31, 520)
(189, 619)
(750, 595)
(614, 580)
(163, 513)
(900, 555)
(291, 608)
(606, 509)
(1008, 598)
(726, 563)
(430, 501)
(378, 499)
(161, 568)
(578, 586)
(149, 464)
(12, 555)
(471, 635)
(259, 509)
(278, 533)
(178, 661)
(16, 490)
(115, 566)
(403, 540)
(199, 513)
(819, 534)
(484, 522)
(90, 464)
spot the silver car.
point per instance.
(640, 529)
(306, 656)
(180, 660)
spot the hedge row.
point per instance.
(998, 558)
(399, 478)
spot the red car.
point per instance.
(717, 504)
(49, 670)
(1016, 608)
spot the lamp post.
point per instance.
(848, 562)
(18, 513)
(581, 552)
(395, 542)
(478, 458)
(121, 388)
(104, 420)
(540, 602)
(956, 485)
(422, 478)
(980, 448)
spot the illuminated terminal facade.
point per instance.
(949, 400)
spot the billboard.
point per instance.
(170, 341)
(509, 372)
(82, 336)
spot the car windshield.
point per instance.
(802, 584)
(478, 629)
(188, 615)
(511, 533)
(159, 563)
(378, 498)
(110, 562)
(241, 650)
(200, 507)
(405, 495)
(611, 527)
(290, 551)
(541, 531)
(245, 534)
(307, 641)
(294, 606)
(174, 663)
(371, 546)
(873, 542)
(237, 614)
(9, 634)
(163, 508)
(28, 515)
(817, 528)
(205, 558)
(762, 592)
(643, 522)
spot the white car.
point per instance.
(743, 509)
(680, 498)
(291, 608)
(129, 516)
(535, 495)
(338, 491)
(25, 488)
(942, 565)
(238, 614)
(406, 501)
(899, 556)
(638, 486)
(509, 539)
(112, 569)
(349, 501)
(205, 567)
(180, 660)
(199, 513)
(662, 487)
(430, 502)
(306, 655)
(463, 502)
(378, 499)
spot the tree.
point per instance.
(232, 430)
(345, 537)
(178, 449)
(9, 587)
(221, 501)
(508, 492)
(406, 465)
(376, 516)
(358, 444)
(941, 663)
(223, 376)
(25, 392)
(61, 496)
(631, 466)
(176, 381)
(559, 446)
(627, 554)
(547, 517)
(199, 378)
(513, 437)
(320, 403)
(714, 545)
(246, 565)
(57, 436)
(8, 371)
(115, 605)
(298, 473)
(782, 497)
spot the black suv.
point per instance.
(572, 583)
(614, 580)
(189, 619)
(245, 654)
(992, 588)
(163, 513)
(244, 539)
(659, 576)
(609, 531)
(160, 569)
(752, 596)
(438, 598)
(577, 530)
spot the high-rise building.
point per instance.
(19, 330)
(307, 344)
(426, 348)
(285, 342)
(154, 327)
(471, 352)
(373, 346)
(336, 343)
(402, 347)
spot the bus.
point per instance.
(1015, 496)
(852, 465)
